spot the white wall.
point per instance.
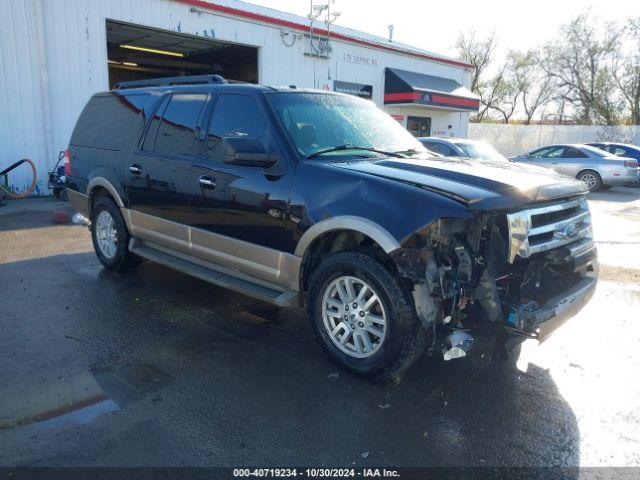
(23, 81)
(440, 119)
(512, 140)
(53, 58)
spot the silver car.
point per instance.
(595, 167)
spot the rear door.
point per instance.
(572, 161)
(239, 212)
(158, 173)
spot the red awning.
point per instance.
(403, 87)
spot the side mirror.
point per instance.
(247, 152)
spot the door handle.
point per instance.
(135, 169)
(207, 182)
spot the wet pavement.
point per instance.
(155, 368)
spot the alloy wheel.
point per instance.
(106, 234)
(589, 180)
(354, 316)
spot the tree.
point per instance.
(505, 92)
(579, 64)
(625, 68)
(532, 82)
(478, 53)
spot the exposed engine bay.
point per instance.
(496, 272)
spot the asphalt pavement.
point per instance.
(154, 368)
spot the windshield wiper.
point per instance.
(410, 152)
(339, 148)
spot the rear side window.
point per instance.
(110, 122)
(573, 153)
(234, 115)
(442, 149)
(173, 128)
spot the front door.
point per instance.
(158, 173)
(547, 157)
(239, 212)
(419, 126)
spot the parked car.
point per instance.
(619, 149)
(596, 168)
(460, 147)
(320, 199)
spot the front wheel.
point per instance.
(364, 316)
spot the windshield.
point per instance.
(482, 151)
(317, 122)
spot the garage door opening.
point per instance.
(135, 52)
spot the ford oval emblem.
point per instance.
(571, 230)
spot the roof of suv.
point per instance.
(199, 82)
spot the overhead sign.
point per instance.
(360, 59)
(357, 89)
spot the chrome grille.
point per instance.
(545, 228)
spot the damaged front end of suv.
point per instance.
(500, 274)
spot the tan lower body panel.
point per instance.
(267, 264)
(79, 201)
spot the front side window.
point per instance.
(620, 151)
(318, 122)
(542, 153)
(234, 115)
(555, 153)
(173, 128)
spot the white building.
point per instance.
(55, 54)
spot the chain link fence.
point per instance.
(511, 140)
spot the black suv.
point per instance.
(301, 197)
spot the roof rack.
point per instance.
(166, 81)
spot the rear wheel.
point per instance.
(111, 237)
(364, 316)
(591, 179)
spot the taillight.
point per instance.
(631, 163)
(67, 162)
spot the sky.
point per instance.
(434, 26)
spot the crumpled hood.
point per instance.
(480, 184)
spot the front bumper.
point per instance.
(546, 319)
(559, 309)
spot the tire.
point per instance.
(107, 219)
(592, 179)
(403, 339)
